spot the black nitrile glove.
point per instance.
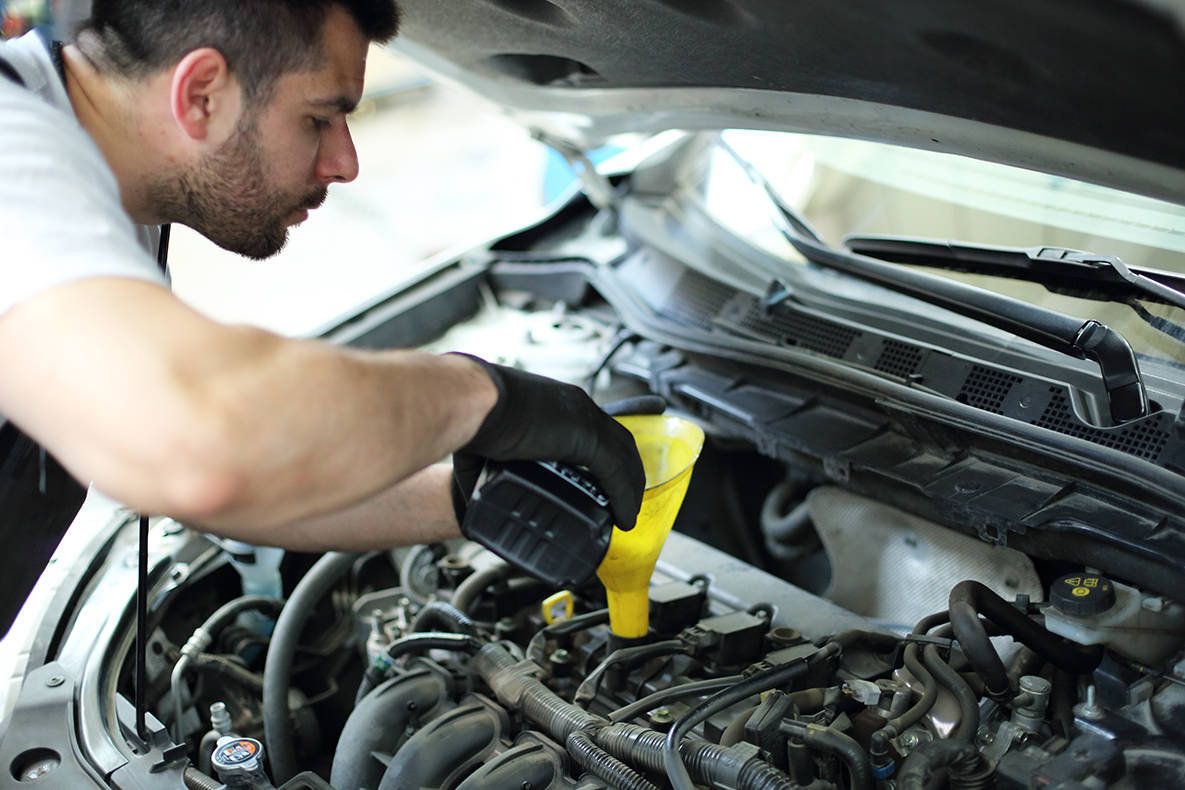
(540, 419)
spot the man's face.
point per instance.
(282, 157)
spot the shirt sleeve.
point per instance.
(60, 214)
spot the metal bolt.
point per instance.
(528, 786)
(55, 681)
(661, 716)
(908, 740)
(1091, 708)
(561, 656)
(984, 735)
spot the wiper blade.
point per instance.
(1057, 268)
(1083, 339)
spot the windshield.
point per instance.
(850, 187)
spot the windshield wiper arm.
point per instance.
(1056, 268)
(1069, 335)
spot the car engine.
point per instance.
(824, 640)
(478, 677)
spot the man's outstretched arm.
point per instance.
(417, 509)
(233, 428)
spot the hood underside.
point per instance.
(1088, 89)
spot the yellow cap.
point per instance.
(669, 447)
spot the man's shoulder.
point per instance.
(30, 58)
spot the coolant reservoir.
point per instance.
(1093, 610)
(669, 447)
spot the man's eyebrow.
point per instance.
(340, 103)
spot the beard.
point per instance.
(227, 198)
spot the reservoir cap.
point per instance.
(1082, 594)
(239, 761)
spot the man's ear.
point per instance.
(204, 98)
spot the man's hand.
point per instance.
(539, 419)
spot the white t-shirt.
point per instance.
(60, 213)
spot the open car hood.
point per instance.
(1088, 90)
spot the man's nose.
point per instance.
(337, 160)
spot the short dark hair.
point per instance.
(260, 39)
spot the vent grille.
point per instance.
(696, 300)
(798, 329)
(899, 359)
(986, 388)
(1145, 439)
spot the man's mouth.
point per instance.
(311, 202)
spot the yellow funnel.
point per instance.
(669, 447)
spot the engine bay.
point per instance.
(830, 640)
(477, 676)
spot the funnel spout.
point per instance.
(669, 447)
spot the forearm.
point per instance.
(227, 426)
(415, 510)
(342, 426)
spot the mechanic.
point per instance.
(229, 116)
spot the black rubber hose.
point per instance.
(970, 599)
(659, 698)
(226, 613)
(1062, 698)
(708, 764)
(734, 733)
(1026, 662)
(875, 641)
(603, 765)
(277, 672)
(564, 627)
(578, 623)
(953, 682)
(413, 642)
(969, 769)
(203, 636)
(470, 590)
(629, 656)
(835, 742)
(441, 616)
(771, 678)
(371, 679)
(229, 669)
(929, 694)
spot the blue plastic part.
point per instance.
(884, 771)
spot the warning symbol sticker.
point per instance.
(1091, 582)
(1075, 581)
(1081, 591)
